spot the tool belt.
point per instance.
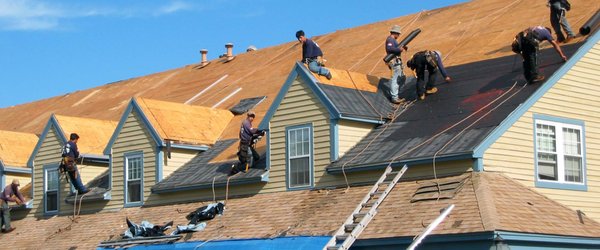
(67, 164)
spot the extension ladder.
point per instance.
(359, 219)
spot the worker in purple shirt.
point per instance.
(398, 78)
(430, 61)
(70, 155)
(312, 55)
(529, 41)
(9, 194)
(245, 150)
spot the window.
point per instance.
(299, 155)
(134, 167)
(559, 154)
(51, 185)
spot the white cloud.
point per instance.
(173, 7)
(40, 15)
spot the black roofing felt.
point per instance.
(199, 173)
(98, 187)
(412, 135)
(246, 104)
(360, 104)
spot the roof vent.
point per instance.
(251, 48)
(204, 61)
(229, 54)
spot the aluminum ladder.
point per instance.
(365, 211)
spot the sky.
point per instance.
(54, 47)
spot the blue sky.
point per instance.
(53, 47)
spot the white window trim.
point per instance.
(310, 156)
(559, 124)
(126, 157)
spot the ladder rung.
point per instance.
(393, 173)
(359, 215)
(387, 182)
(377, 193)
(350, 227)
(333, 248)
(368, 204)
(341, 238)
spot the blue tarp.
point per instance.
(284, 243)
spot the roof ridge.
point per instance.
(485, 202)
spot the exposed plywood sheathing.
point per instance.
(93, 133)
(185, 123)
(16, 147)
(349, 79)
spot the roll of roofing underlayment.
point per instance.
(591, 24)
(403, 43)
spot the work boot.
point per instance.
(397, 100)
(568, 39)
(10, 230)
(422, 97)
(431, 91)
(328, 76)
(538, 78)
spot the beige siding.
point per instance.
(48, 154)
(178, 158)
(350, 133)
(299, 106)
(134, 137)
(575, 96)
(91, 171)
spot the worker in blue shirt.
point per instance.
(430, 61)
(530, 40)
(70, 154)
(558, 18)
(312, 55)
(398, 78)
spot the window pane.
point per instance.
(52, 180)
(134, 191)
(134, 170)
(546, 138)
(547, 168)
(51, 201)
(573, 169)
(299, 172)
(572, 141)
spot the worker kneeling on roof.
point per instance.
(248, 137)
(312, 55)
(430, 61)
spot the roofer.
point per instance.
(398, 78)
(10, 193)
(527, 44)
(430, 61)
(70, 154)
(558, 19)
(312, 55)
(246, 152)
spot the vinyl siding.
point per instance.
(48, 153)
(350, 133)
(575, 96)
(300, 106)
(133, 137)
(178, 158)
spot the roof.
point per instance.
(454, 121)
(16, 147)
(486, 202)
(182, 123)
(200, 173)
(262, 73)
(99, 190)
(93, 133)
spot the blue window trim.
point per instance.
(53, 166)
(334, 139)
(311, 161)
(523, 108)
(125, 166)
(2, 175)
(268, 154)
(555, 184)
